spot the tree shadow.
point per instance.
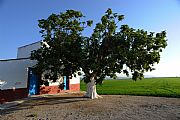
(40, 101)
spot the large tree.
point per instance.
(112, 48)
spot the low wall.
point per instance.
(49, 90)
(74, 87)
(13, 94)
(56, 89)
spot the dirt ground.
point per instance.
(111, 107)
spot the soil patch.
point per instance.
(110, 107)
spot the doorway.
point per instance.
(33, 85)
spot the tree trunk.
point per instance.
(91, 89)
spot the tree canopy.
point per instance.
(112, 48)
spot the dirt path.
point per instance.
(110, 107)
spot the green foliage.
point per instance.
(61, 86)
(63, 34)
(111, 51)
(112, 48)
(167, 87)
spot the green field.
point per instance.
(167, 87)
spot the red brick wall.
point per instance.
(74, 87)
(56, 89)
(12, 94)
(50, 90)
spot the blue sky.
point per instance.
(19, 26)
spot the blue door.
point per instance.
(33, 82)
(66, 83)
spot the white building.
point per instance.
(18, 80)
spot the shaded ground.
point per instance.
(110, 107)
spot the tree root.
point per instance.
(88, 96)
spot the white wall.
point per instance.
(25, 51)
(75, 80)
(14, 73)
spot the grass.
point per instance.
(164, 87)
